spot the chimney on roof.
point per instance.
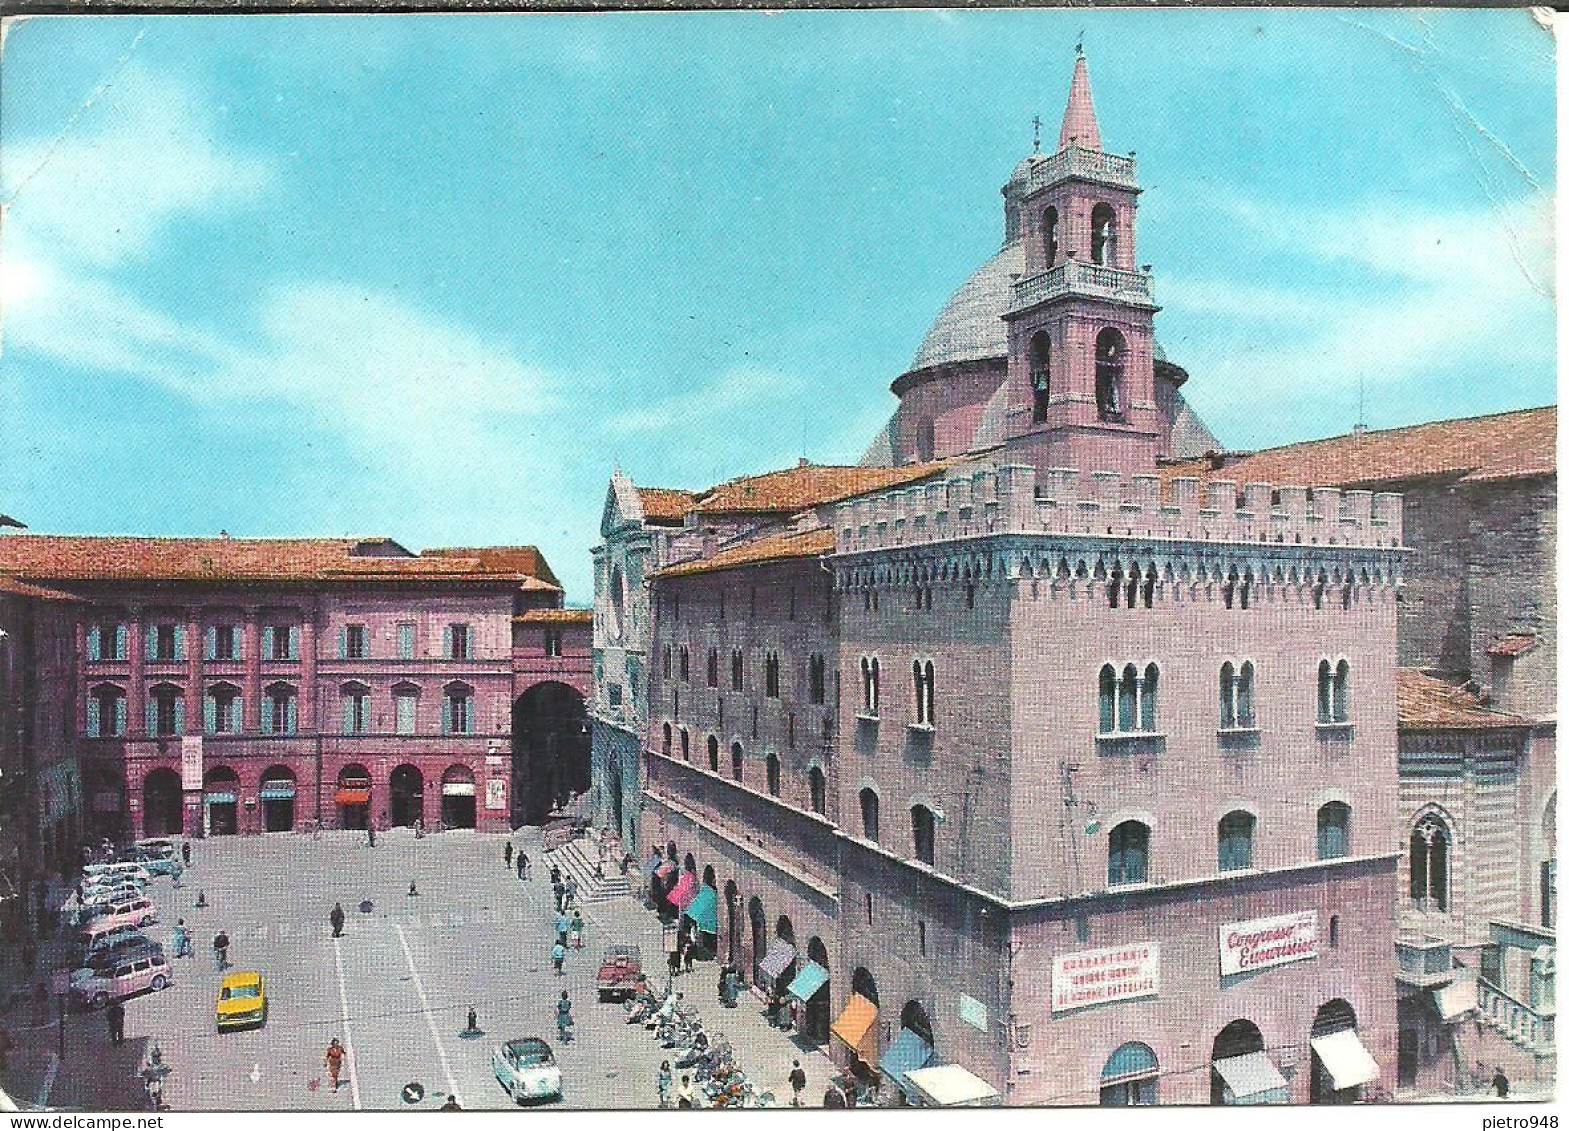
(223, 533)
(1359, 429)
(803, 462)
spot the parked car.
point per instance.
(107, 958)
(123, 870)
(111, 892)
(526, 1069)
(131, 912)
(130, 975)
(93, 939)
(158, 855)
(242, 1001)
(619, 971)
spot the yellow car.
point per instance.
(242, 1002)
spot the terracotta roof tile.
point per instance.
(1425, 703)
(808, 485)
(15, 588)
(526, 561)
(1509, 445)
(59, 558)
(555, 616)
(664, 504)
(779, 547)
(1511, 646)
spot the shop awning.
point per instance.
(277, 791)
(808, 983)
(1349, 1064)
(220, 797)
(704, 910)
(780, 955)
(1457, 999)
(353, 797)
(908, 1052)
(951, 1085)
(856, 1024)
(457, 789)
(1252, 1078)
(684, 891)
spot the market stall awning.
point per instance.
(1457, 999)
(951, 1085)
(1349, 1064)
(855, 1026)
(685, 890)
(807, 984)
(908, 1052)
(457, 789)
(704, 910)
(220, 797)
(780, 955)
(1252, 1078)
(353, 797)
(277, 791)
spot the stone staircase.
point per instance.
(576, 858)
(1510, 1033)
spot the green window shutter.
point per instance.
(119, 714)
(343, 643)
(119, 642)
(210, 650)
(179, 642)
(95, 643)
(348, 714)
(266, 714)
(446, 714)
(210, 715)
(446, 641)
(150, 642)
(294, 643)
(179, 715)
(152, 716)
(93, 718)
(290, 715)
(236, 715)
(267, 641)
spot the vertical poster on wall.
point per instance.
(191, 762)
(496, 793)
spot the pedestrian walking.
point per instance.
(797, 1083)
(666, 1084)
(115, 1015)
(220, 949)
(684, 1095)
(522, 864)
(555, 874)
(558, 957)
(563, 925)
(185, 853)
(1500, 1084)
(506, 854)
(336, 919)
(575, 932)
(689, 954)
(571, 892)
(564, 1017)
(559, 893)
(675, 963)
(182, 941)
(334, 1061)
(370, 835)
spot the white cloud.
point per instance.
(138, 157)
(712, 405)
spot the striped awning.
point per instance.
(277, 791)
(220, 797)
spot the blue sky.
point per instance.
(431, 276)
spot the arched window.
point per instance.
(1114, 588)
(686, 665)
(1430, 864)
(925, 693)
(736, 760)
(1108, 700)
(771, 675)
(1326, 686)
(1235, 841)
(817, 785)
(106, 712)
(713, 667)
(869, 817)
(1131, 1077)
(1236, 695)
(713, 753)
(457, 709)
(737, 671)
(869, 676)
(1110, 351)
(1128, 854)
(1133, 586)
(773, 775)
(280, 712)
(686, 745)
(221, 709)
(1040, 374)
(1103, 236)
(355, 700)
(816, 678)
(1149, 692)
(1049, 236)
(1228, 696)
(1334, 830)
(925, 440)
(1341, 696)
(1228, 589)
(923, 827)
(665, 747)
(1128, 699)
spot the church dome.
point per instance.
(970, 327)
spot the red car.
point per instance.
(619, 972)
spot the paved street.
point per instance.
(395, 989)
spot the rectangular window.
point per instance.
(106, 642)
(354, 642)
(457, 642)
(280, 642)
(459, 714)
(405, 641)
(222, 644)
(168, 715)
(166, 638)
(552, 642)
(404, 706)
(280, 716)
(356, 713)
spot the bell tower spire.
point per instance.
(1078, 120)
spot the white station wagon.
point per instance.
(130, 975)
(527, 1070)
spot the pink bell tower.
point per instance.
(1081, 370)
